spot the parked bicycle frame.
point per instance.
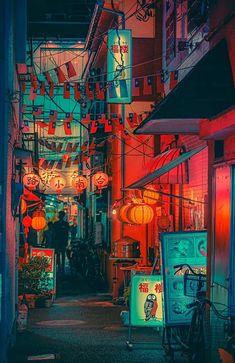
(194, 342)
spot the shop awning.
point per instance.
(167, 167)
(206, 91)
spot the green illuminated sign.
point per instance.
(119, 75)
(146, 306)
(179, 248)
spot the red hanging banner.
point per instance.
(148, 85)
(136, 87)
(41, 124)
(77, 91)
(132, 120)
(59, 147)
(37, 111)
(32, 94)
(34, 81)
(42, 88)
(51, 89)
(68, 117)
(119, 122)
(89, 91)
(23, 86)
(21, 68)
(86, 120)
(93, 127)
(66, 90)
(108, 127)
(77, 160)
(99, 91)
(67, 128)
(173, 79)
(75, 146)
(69, 147)
(84, 146)
(68, 162)
(70, 69)
(53, 115)
(160, 83)
(51, 128)
(102, 119)
(48, 77)
(60, 75)
(85, 158)
(125, 135)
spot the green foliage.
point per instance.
(126, 295)
(33, 278)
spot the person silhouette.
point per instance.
(60, 240)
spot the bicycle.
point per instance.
(194, 343)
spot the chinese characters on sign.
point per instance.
(79, 183)
(181, 247)
(58, 183)
(146, 305)
(100, 180)
(119, 66)
(31, 181)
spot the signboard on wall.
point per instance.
(49, 253)
(179, 248)
(119, 62)
(146, 306)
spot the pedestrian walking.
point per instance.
(60, 240)
(73, 230)
(48, 236)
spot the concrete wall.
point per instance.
(9, 138)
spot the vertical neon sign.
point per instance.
(119, 66)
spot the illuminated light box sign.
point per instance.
(119, 75)
(49, 253)
(146, 301)
(178, 248)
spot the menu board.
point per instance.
(146, 305)
(178, 248)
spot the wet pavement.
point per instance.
(84, 326)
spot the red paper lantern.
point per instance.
(100, 180)
(31, 181)
(27, 222)
(79, 183)
(57, 183)
(150, 196)
(38, 223)
(140, 214)
(38, 213)
(122, 213)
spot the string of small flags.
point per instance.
(141, 86)
(87, 150)
(101, 122)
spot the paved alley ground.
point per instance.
(83, 327)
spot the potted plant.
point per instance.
(33, 278)
(45, 298)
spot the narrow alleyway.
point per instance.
(83, 326)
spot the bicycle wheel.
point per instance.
(196, 341)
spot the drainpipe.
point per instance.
(122, 15)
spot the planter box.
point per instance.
(30, 299)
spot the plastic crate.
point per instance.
(194, 284)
